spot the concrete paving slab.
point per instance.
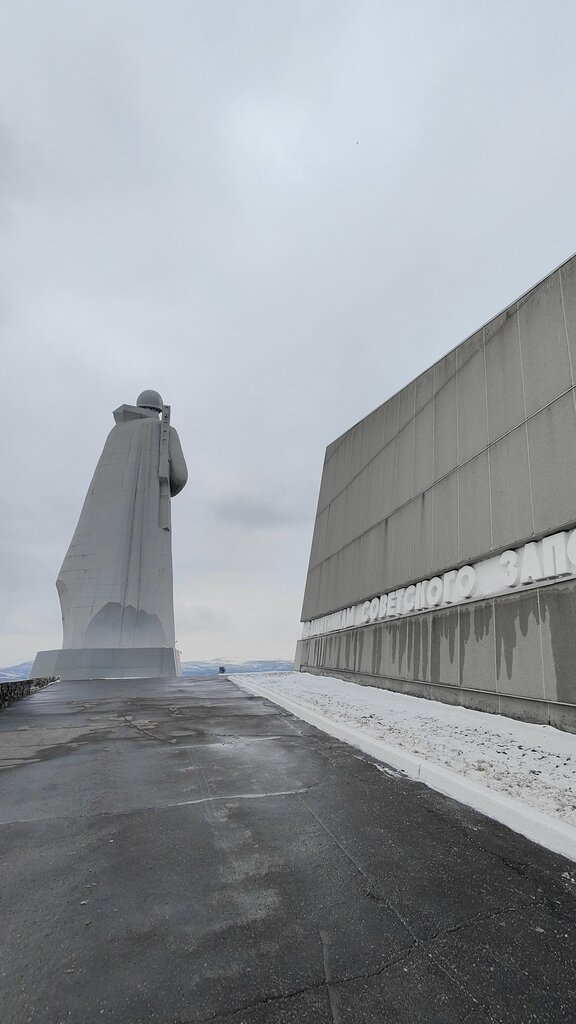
(184, 852)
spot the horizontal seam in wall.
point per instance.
(485, 341)
(440, 479)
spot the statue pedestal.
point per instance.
(108, 663)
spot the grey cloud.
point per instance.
(202, 619)
(254, 513)
(276, 214)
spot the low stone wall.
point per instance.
(17, 688)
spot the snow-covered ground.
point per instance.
(523, 775)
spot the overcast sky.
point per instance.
(276, 213)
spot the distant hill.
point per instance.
(21, 671)
(210, 668)
(189, 668)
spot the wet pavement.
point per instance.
(182, 852)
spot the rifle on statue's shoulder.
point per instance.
(164, 468)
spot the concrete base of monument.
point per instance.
(109, 663)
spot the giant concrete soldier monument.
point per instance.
(115, 584)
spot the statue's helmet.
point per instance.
(150, 400)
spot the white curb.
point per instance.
(533, 824)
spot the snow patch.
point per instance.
(520, 774)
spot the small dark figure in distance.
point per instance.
(222, 670)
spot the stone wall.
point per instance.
(17, 688)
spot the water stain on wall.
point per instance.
(424, 648)
(414, 640)
(376, 650)
(348, 650)
(513, 614)
(557, 609)
(403, 630)
(359, 650)
(443, 628)
(476, 619)
(394, 638)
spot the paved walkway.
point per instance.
(183, 852)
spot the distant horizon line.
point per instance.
(187, 661)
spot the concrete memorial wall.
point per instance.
(443, 560)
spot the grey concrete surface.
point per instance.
(495, 382)
(184, 852)
(109, 663)
(475, 456)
